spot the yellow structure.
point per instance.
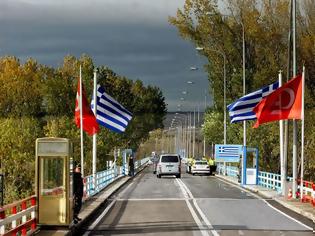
(53, 182)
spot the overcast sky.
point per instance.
(132, 37)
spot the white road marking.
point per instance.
(264, 200)
(290, 217)
(203, 216)
(192, 211)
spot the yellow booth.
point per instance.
(53, 181)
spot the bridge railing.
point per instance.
(272, 181)
(18, 218)
(231, 171)
(95, 184)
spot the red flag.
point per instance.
(284, 103)
(90, 124)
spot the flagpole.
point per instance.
(282, 166)
(294, 158)
(302, 134)
(81, 124)
(94, 135)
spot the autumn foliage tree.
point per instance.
(218, 26)
(38, 101)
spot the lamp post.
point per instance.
(224, 86)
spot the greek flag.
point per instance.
(242, 109)
(110, 113)
(228, 153)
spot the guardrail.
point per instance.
(231, 171)
(269, 180)
(18, 218)
(93, 185)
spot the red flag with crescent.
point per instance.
(283, 104)
(90, 124)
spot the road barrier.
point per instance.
(308, 191)
(18, 218)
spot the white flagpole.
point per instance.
(283, 175)
(302, 133)
(294, 157)
(81, 125)
(94, 135)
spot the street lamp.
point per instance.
(224, 86)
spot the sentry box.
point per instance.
(53, 181)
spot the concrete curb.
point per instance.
(283, 203)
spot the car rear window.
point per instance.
(201, 163)
(169, 159)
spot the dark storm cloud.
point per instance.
(138, 46)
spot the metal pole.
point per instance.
(302, 135)
(283, 177)
(224, 104)
(294, 160)
(94, 135)
(244, 82)
(81, 124)
(194, 134)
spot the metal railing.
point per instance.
(269, 180)
(227, 170)
(18, 218)
(93, 185)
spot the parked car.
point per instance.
(200, 167)
(169, 164)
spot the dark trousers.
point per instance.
(131, 171)
(77, 204)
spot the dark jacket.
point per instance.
(77, 184)
(131, 163)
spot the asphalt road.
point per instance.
(192, 205)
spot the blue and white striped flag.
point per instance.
(242, 109)
(110, 113)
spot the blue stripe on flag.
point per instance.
(110, 113)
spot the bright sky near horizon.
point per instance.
(132, 37)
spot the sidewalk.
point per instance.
(304, 209)
(89, 207)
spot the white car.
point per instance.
(168, 164)
(200, 167)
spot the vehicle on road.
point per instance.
(169, 164)
(200, 167)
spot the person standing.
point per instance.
(77, 193)
(131, 166)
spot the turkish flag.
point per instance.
(90, 124)
(284, 103)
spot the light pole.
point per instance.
(184, 134)
(224, 87)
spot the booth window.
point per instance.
(52, 179)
